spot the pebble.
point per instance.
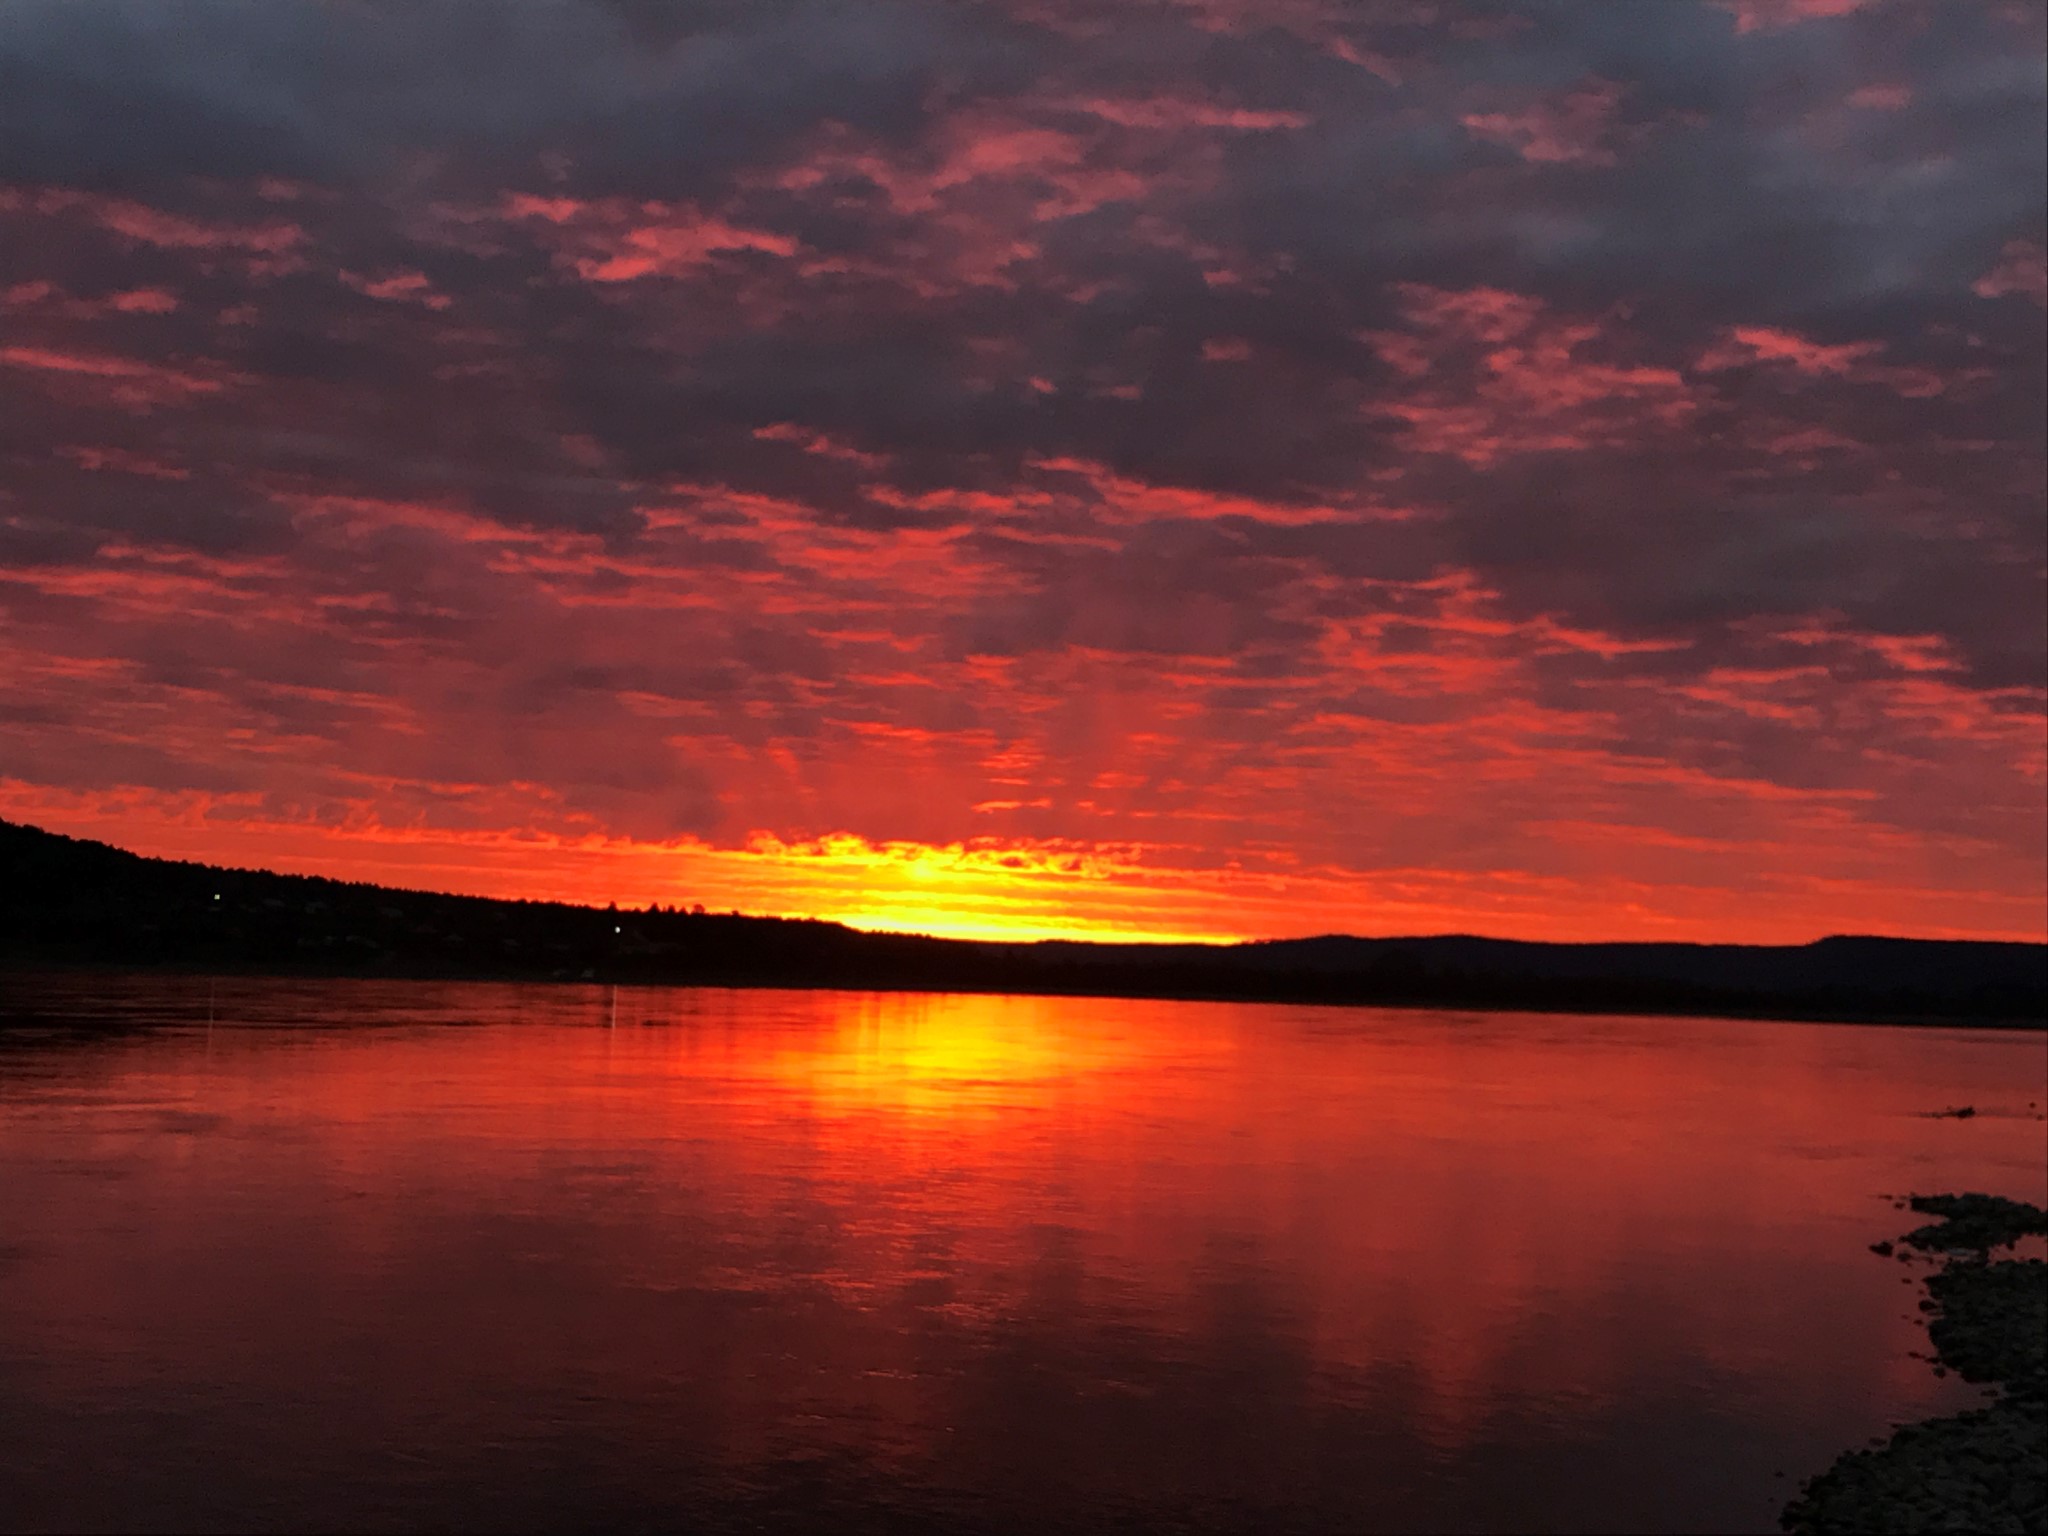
(1986, 1470)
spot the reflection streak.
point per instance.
(485, 1257)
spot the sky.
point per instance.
(1146, 468)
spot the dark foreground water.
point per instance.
(398, 1256)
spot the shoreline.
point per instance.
(71, 903)
(1279, 996)
(1985, 1469)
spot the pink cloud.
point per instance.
(1853, 361)
(95, 459)
(2022, 269)
(675, 246)
(47, 296)
(1883, 96)
(971, 198)
(170, 231)
(1121, 499)
(1760, 343)
(144, 301)
(819, 444)
(398, 288)
(1179, 114)
(1572, 129)
(614, 240)
(1367, 59)
(127, 381)
(1505, 376)
(1045, 499)
(1772, 15)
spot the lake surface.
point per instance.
(398, 1256)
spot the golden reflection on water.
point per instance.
(985, 1261)
(960, 1055)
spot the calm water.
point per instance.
(381, 1256)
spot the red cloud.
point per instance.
(1852, 360)
(1771, 15)
(1575, 128)
(1180, 114)
(398, 288)
(154, 226)
(2022, 269)
(616, 241)
(1497, 374)
(1882, 96)
(124, 381)
(1152, 489)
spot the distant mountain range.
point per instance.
(69, 901)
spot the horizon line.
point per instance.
(1139, 941)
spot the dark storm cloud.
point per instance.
(742, 396)
(205, 516)
(649, 100)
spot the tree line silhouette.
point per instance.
(70, 901)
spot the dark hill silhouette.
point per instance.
(69, 901)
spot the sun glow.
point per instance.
(987, 889)
(965, 1055)
(1016, 890)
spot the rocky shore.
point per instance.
(1986, 1470)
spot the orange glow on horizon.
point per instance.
(1011, 514)
(1023, 891)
